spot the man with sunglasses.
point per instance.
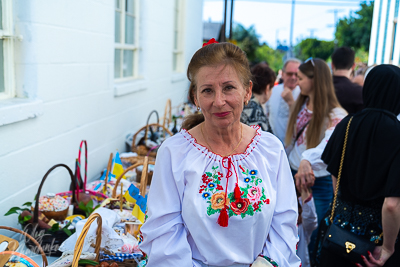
(283, 97)
(348, 93)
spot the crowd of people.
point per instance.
(250, 179)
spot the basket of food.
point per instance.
(46, 222)
(147, 140)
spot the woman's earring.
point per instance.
(198, 108)
(247, 102)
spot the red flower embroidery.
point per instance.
(266, 201)
(256, 206)
(240, 205)
(219, 187)
(211, 41)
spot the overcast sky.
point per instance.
(271, 18)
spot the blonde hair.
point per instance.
(213, 55)
(324, 101)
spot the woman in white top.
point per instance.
(311, 123)
(222, 192)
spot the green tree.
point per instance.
(274, 58)
(247, 40)
(355, 31)
(312, 47)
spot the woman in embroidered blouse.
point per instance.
(254, 113)
(311, 123)
(222, 192)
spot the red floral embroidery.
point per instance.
(240, 205)
(302, 119)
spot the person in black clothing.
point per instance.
(348, 93)
(368, 202)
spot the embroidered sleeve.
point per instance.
(313, 155)
(283, 234)
(164, 235)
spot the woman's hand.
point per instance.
(377, 258)
(305, 175)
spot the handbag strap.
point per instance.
(300, 132)
(340, 174)
(340, 170)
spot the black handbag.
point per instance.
(341, 241)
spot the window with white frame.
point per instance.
(126, 53)
(7, 88)
(177, 59)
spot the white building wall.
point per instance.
(381, 46)
(65, 62)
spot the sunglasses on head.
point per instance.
(310, 59)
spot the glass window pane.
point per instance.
(117, 4)
(128, 63)
(117, 63)
(175, 40)
(129, 6)
(129, 29)
(2, 88)
(175, 62)
(1, 15)
(117, 27)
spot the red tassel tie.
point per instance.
(223, 217)
(238, 193)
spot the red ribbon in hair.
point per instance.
(211, 41)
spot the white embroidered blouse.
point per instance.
(186, 197)
(299, 151)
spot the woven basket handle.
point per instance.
(36, 210)
(143, 180)
(167, 114)
(148, 125)
(81, 239)
(45, 263)
(107, 173)
(83, 142)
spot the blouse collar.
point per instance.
(235, 157)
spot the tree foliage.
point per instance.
(355, 31)
(312, 47)
(247, 40)
(274, 58)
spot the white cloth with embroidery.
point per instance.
(109, 238)
(299, 151)
(185, 200)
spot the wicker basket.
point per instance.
(38, 248)
(51, 241)
(141, 149)
(81, 239)
(167, 119)
(143, 179)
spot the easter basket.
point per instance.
(49, 238)
(154, 133)
(122, 260)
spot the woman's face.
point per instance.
(305, 84)
(220, 95)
